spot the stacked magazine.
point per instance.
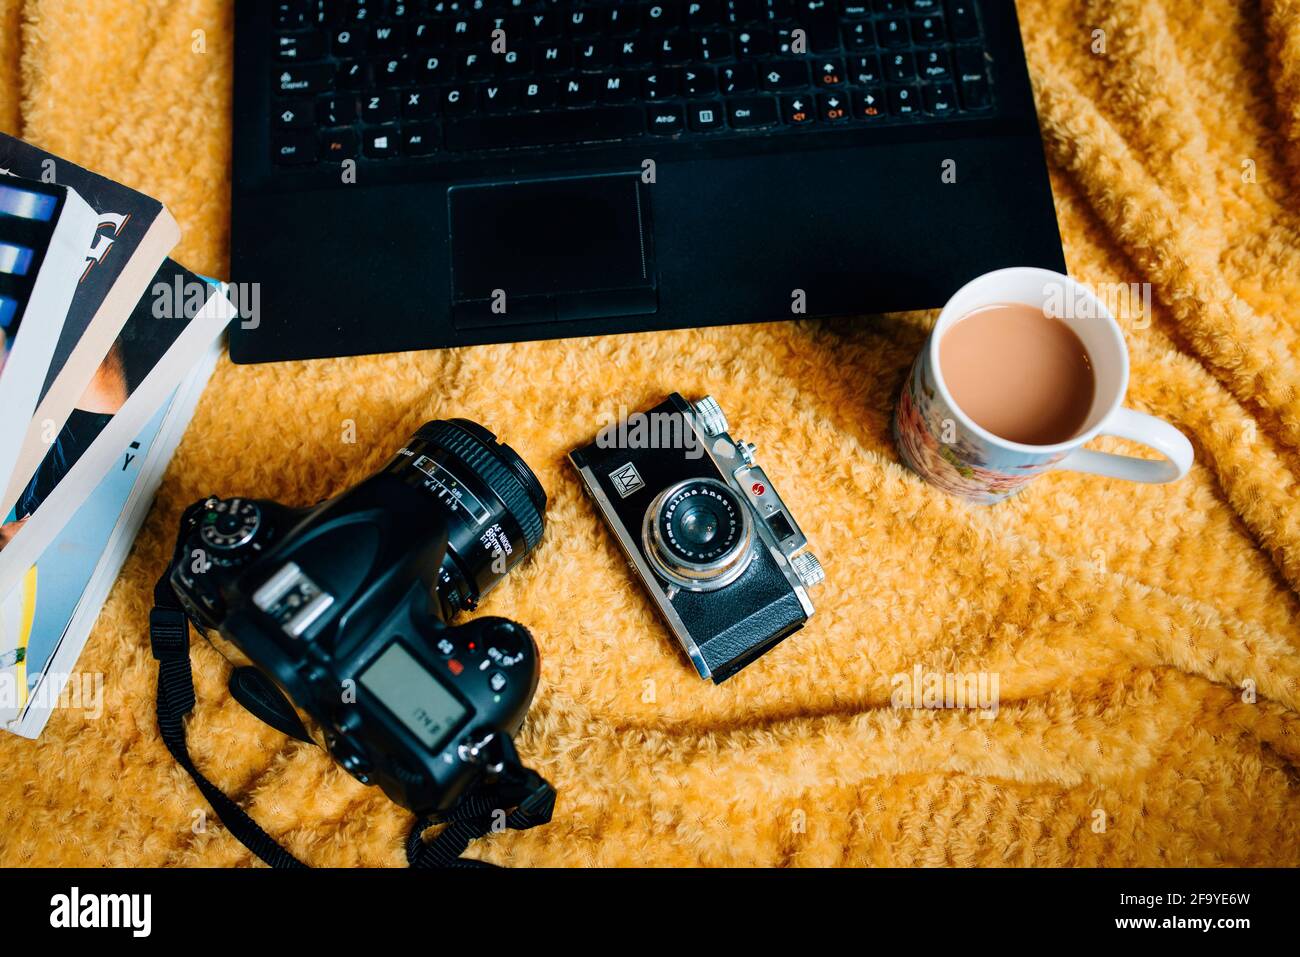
(105, 347)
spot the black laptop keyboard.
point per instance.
(383, 79)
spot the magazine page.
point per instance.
(44, 234)
(125, 221)
(161, 343)
(35, 615)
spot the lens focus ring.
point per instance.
(525, 501)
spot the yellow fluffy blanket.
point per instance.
(1145, 637)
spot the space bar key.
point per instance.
(539, 129)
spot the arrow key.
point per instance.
(868, 105)
(828, 73)
(833, 107)
(293, 115)
(797, 110)
(784, 75)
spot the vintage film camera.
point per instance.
(704, 529)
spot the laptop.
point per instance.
(434, 173)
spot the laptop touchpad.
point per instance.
(554, 249)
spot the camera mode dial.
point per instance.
(229, 524)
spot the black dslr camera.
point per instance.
(345, 608)
(704, 529)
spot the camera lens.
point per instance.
(698, 534)
(493, 504)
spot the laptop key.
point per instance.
(970, 63)
(660, 84)
(419, 104)
(578, 91)
(933, 65)
(864, 70)
(927, 30)
(737, 79)
(833, 107)
(699, 81)
(541, 129)
(868, 104)
(704, 117)
(751, 112)
(431, 68)
(351, 75)
(296, 47)
(975, 94)
(892, 32)
(419, 139)
(940, 99)
(379, 107)
(381, 143)
(828, 73)
(347, 42)
(304, 79)
(293, 115)
(900, 68)
(498, 97)
(294, 149)
(797, 110)
(903, 101)
(337, 110)
(961, 20)
(665, 120)
(786, 75)
(338, 145)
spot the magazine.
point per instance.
(46, 620)
(164, 338)
(131, 236)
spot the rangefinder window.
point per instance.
(413, 696)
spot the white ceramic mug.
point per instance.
(946, 447)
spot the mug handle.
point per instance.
(1151, 432)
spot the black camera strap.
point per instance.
(531, 797)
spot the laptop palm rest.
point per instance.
(551, 250)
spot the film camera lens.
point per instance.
(699, 535)
(493, 502)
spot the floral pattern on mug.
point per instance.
(965, 465)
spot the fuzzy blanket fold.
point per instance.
(1145, 639)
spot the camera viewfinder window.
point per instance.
(414, 696)
(780, 526)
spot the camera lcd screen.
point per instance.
(414, 696)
